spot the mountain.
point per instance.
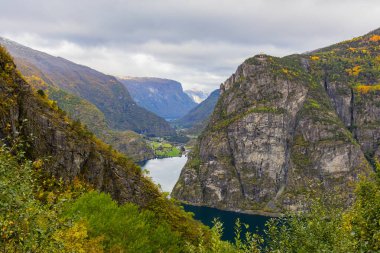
(34, 128)
(104, 91)
(197, 117)
(197, 95)
(161, 96)
(286, 129)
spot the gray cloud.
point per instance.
(199, 43)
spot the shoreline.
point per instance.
(250, 212)
(143, 162)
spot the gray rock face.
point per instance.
(275, 136)
(359, 112)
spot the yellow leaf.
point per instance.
(314, 58)
(375, 38)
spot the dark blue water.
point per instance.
(206, 215)
(166, 172)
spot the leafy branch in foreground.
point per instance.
(328, 228)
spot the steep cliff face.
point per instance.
(352, 81)
(286, 127)
(104, 91)
(164, 97)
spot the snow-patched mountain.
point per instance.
(196, 119)
(163, 97)
(198, 96)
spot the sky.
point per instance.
(199, 43)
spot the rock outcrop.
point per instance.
(286, 128)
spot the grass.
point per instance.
(164, 149)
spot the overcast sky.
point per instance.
(197, 42)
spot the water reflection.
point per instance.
(165, 171)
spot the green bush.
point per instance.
(124, 227)
(30, 216)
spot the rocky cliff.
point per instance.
(163, 97)
(286, 128)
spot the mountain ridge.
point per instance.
(104, 91)
(127, 142)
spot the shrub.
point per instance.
(125, 227)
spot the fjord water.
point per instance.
(166, 171)
(207, 215)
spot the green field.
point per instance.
(164, 149)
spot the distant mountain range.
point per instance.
(163, 97)
(103, 91)
(197, 95)
(87, 95)
(197, 118)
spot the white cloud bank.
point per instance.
(199, 43)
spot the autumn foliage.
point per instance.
(364, 89)
(375, 38)
(354, 71)
(314, 58)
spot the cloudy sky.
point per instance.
(197, 42)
